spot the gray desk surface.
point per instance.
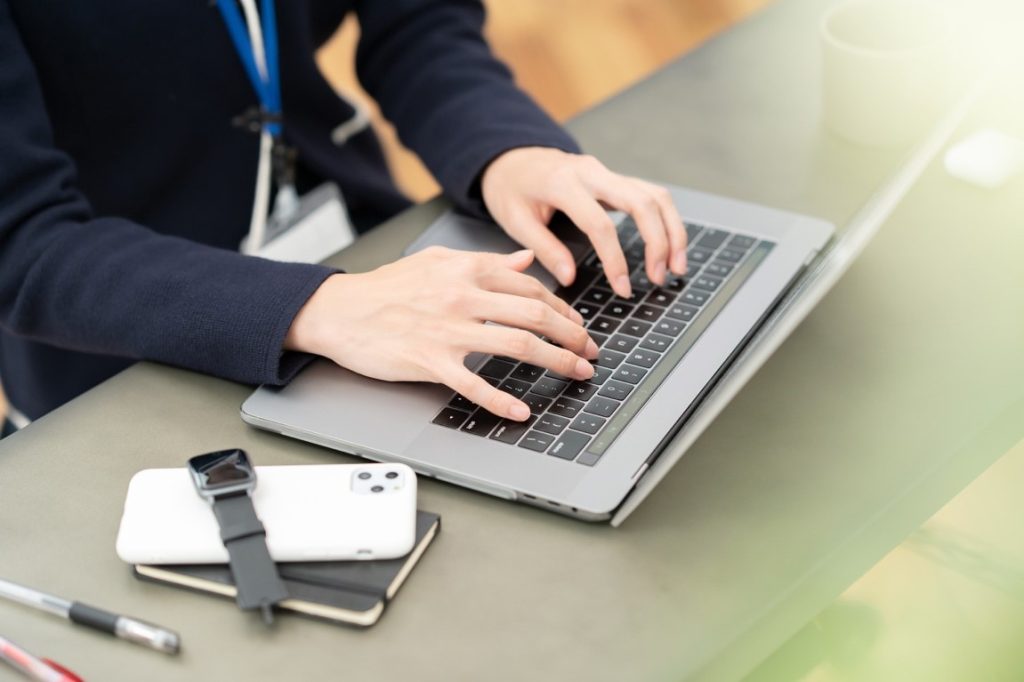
(901, 386)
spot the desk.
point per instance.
(893, 394)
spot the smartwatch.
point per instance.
(226, 480)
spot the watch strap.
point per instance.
(254, 572)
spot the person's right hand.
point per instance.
(418, 318)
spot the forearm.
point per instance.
(427, 64)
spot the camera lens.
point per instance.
(364, 475)
(377, 488)
(391, 474)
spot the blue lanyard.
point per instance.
(268, 91)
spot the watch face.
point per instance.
(224, 469)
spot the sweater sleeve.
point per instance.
(453, 103)
(107, 285)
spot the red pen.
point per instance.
(37, 668)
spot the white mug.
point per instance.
(885, 64)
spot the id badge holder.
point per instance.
(318, 227)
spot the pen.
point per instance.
(36, 668)
(133, 630)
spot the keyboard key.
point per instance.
(634, 327)
(451, 418)
(629, 374)
(492, 381)
(712, 238)
(616, 390)
(731, 255)
(462, 403)
(587, 310)
(557, 377)
(692, 230)
(618, 310)
(669, 327)
(549, 387)
(741, 242)
(588, 458)
(640, 283)
(569, 445)
(608, 358)
(698, 255)
(621, 343)
(648, 313)
(515, 387)
(634, 254)
(481, 423)
(551, 423)
(510, 432)
(661, 297)
(527, 372)
(496, 369)
(598, 296)
(694, 297)
(584, 276)
(718, 269)
(600, 375)
(598, 339)
(707, 283)
(580, 390)
(675, 284)
(681, 311)
(564, 406)
(602, 407)
(536, 403)
(603, 325)
(657, 342)
(587, 423)
(538, 441)
(643, 358)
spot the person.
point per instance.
(126, 186)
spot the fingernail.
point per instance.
(679, 262)
(564, 274)
(519, 412)
(520, 255)
(622, 287)
(591, 349)
(584, 370)
(659, 273)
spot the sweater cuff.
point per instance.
(281, 366)
(463, 176)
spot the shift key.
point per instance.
(569, 445)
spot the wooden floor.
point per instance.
(569, 54)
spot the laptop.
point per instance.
(587, 444)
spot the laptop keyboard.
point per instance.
(640, 340)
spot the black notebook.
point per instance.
(353, 592)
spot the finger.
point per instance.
(536, 316)
(518, 284)
(474, 388)
(639, 201)
(582, 208)
(676, 228)
(551, 252)
(525, 346)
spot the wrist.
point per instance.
(309, 328)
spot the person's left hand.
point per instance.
(524, 187)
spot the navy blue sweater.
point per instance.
(125, 189)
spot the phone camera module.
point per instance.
(391, 474)
(364, 475)
(377, 488)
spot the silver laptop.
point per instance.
(588, 443)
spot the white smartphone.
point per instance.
(326, 512)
